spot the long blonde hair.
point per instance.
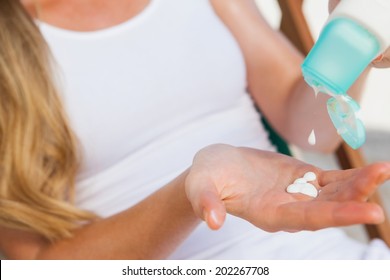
(38, 158)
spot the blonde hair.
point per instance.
(38, 158)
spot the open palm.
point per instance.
(251, 184)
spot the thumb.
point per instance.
(205, 201)
(383, 60)
(213, 209)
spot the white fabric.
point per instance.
(144, 96)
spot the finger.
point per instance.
(206, 203)
(316, 215)
(382, 61)
(374, 174)
(213, 210)
(379, 172)
(328, 177)
(370, 178)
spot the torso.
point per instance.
(114, 177)
(145, 95)
(154, 75)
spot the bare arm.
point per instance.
(151, 229)
(275, 79)
(222, 179)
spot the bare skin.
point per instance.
(261, 197)
(275, 78)
(223, 179)
(288, 103)
(84, 15)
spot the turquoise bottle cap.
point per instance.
(342, 110)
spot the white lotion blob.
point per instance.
(302, 186)
(309, 189)
(300, 181)
(316, 91)
(309, 176)
(312, 138)
(294, 188)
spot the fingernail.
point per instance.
(379, 58)
(213, 217)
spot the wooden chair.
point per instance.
(295, 27)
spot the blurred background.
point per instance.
(375, 105)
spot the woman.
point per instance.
(147, 84)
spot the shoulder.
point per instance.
(259, 42)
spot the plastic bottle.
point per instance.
(356, 32)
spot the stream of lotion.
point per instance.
(312, 138)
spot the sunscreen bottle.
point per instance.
(356, 32)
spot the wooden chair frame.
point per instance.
(295, 28)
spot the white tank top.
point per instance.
(152, 91)
(143, 97)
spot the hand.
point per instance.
(251, 184)
(383, 60)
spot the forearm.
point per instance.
(151, 229)
(275, 78)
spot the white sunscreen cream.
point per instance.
(310, 176)
(302, 186)
(316, 91)
(312, 138)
